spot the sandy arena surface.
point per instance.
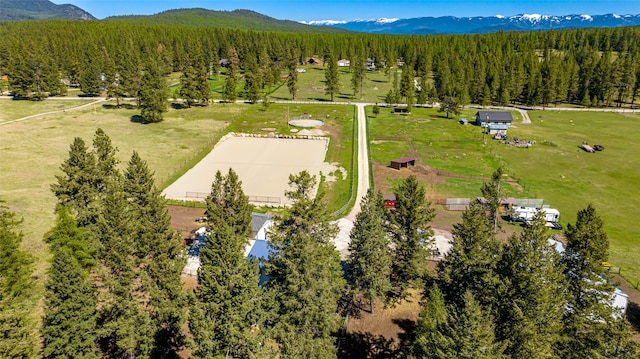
(262, 164)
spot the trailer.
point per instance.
(525, 214)
(551, 215)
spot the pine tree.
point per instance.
(160, 255)
(532, 296)
(69, 325)
(358, 73)
(470, 264)
(252, 78)
(492, 193)
(305, 275)
(90, 76)
(224, 319)
(432, 334)
(76, 189)
(153, 94)
(450, 105)
(411, 234)
(17, 339)
(590, 321)
(125, 329)
(588, 238)
(106, 161)
(369, 261)
(331, 75)
(473, 331)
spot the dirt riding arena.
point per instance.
(263, 164)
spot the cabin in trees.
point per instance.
(313, 61)
(344, 63)
(403, 162)
(494, 122)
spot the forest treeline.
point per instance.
(590, 67)
(113, 287)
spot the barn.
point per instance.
(403, 162)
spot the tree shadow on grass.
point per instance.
(138, 119)
(633, 315)
(126, 106)
(368, 346)
(407, 335)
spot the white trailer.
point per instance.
(524, 214)
(551, 215)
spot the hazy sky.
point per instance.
(307, 10)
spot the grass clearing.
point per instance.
(554, 168)
(15, 109)
(33, 150)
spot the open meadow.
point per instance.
(33, 150)
(554, 169)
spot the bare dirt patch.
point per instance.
(384, 333)
(183, 219)
(384, 176)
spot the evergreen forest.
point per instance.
(113, 287)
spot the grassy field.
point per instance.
(33, 150)
(13, 110)
(554, 169)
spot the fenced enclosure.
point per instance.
(258, 200)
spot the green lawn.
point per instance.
(33, 150)
(554, 169)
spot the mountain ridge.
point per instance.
(479, 24)
(41, 10)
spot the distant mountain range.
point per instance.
(236, 19)
(480, 24)
(40, 10)
(250, 20)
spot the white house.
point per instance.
(619, 299)
(344, 63)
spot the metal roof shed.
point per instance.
(403, 162)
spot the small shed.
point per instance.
(403, 162)
(389, 200)
(344, 63)
(401, 111)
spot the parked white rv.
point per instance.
(524, 214)
(551, 214)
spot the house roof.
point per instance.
(403, 159)
(498, 127)
(257, 222)
(494, 116)
(259, 250)
(389, 197)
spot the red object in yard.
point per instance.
(389, 200)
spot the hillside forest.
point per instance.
(113, 287)
(587, 67)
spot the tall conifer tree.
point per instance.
(369, 262)
(226, 320)
(17, 327)
(305, 275)
(411, 234)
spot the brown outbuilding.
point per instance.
(403, 162)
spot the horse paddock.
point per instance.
(263, 164)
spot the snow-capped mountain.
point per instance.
(480, 24)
